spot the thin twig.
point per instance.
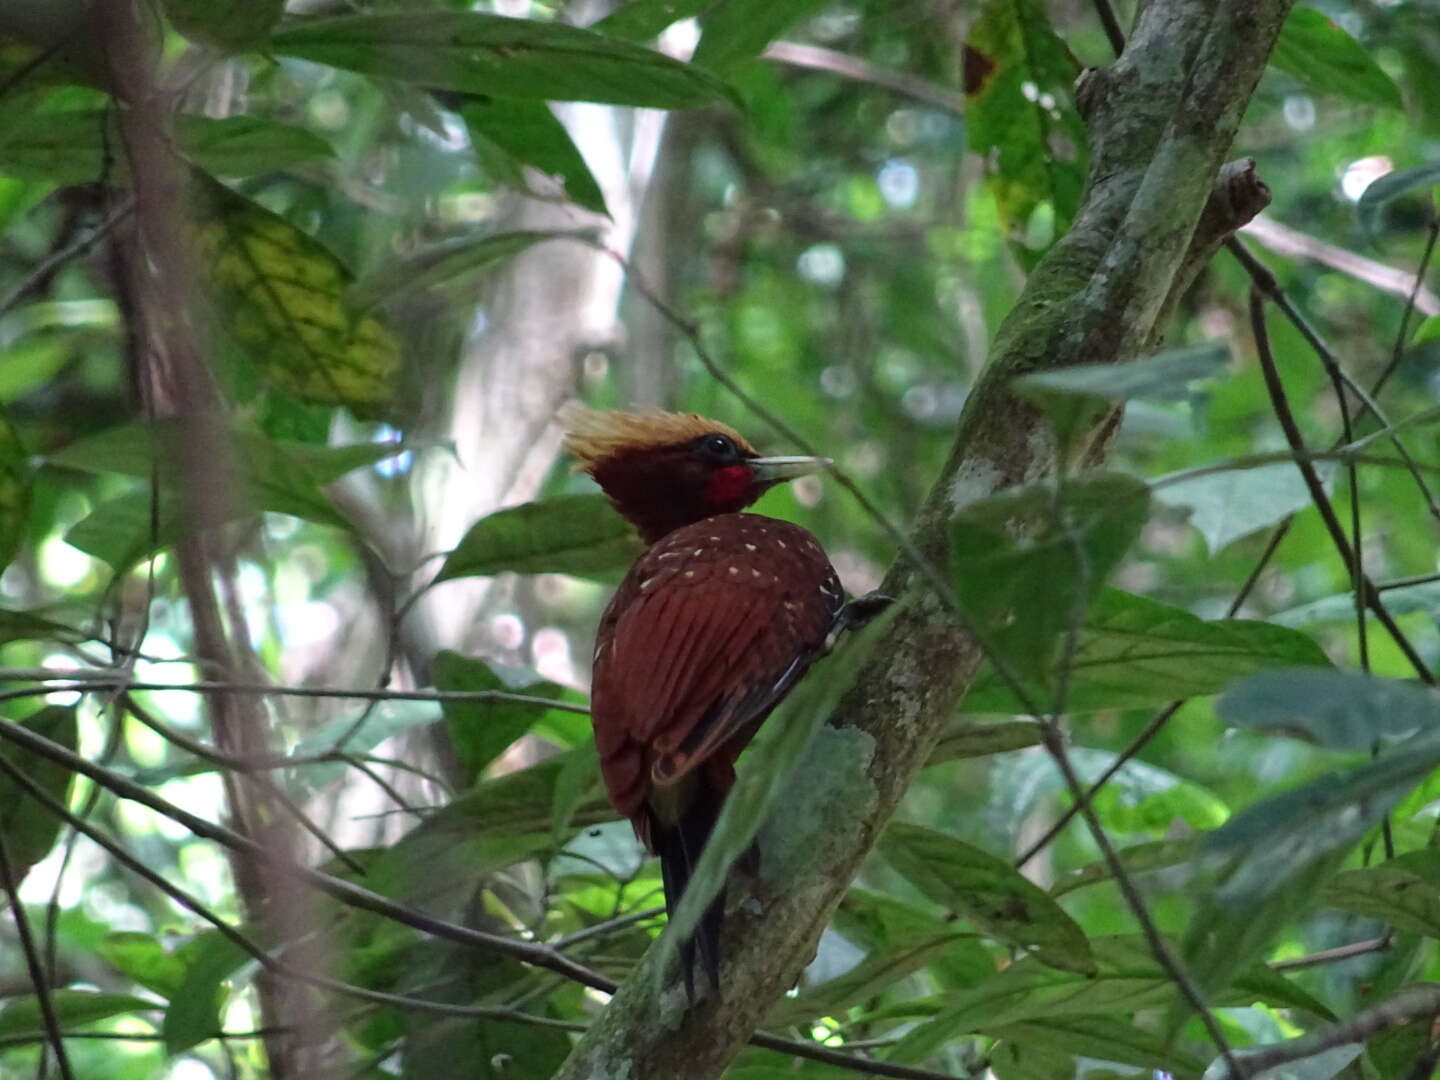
(1401, 336)
(1280, 405)
(75, 248)
(1409, 1004)
(61, 681)
(1331, 956)
(10, 888)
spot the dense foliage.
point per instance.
(295, 776)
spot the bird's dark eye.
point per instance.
(717, 448)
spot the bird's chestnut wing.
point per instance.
(706, 634)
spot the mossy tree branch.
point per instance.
(1161, 121)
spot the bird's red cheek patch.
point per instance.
(729, 486)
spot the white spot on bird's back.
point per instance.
(751, 547)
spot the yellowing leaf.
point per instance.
(281, 296)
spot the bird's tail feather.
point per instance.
(679, 847)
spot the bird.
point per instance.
(712, 626)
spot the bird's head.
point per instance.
(662, 470)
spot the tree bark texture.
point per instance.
(1161, 120)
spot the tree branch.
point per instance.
(1161, 122)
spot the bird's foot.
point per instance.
(855, 614)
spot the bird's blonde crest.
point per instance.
(593, 435)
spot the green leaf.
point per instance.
(964, 738)
(1390, 187)
(1137, 859)
(15, 487)
(1022, 594)
(142, 958)
(1101, 1038)
(1340, 607)
(878, 972)
(1227, 505)
(1133, 652)
(1164, 376)
(449, 261)
(735, 31)
(989, 892)
(577, 782)
(439, 864)
(498, 56)
(77, 145)
(481, 731)
(30, 830)
(643, 20)
(528, 133)
(1327, 60)
(1127, 980)
(282, 297)
(1273, 839)
(247, 145)
(278, 475)
(73, 1008)
(229, 25)
(1344, 710)
(568, 534)
(1403, 893)
(1022, 119)
(194, 1012)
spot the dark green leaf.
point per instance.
(498, 56)
(482, 731)
(567, 534)
(877, 973)
(231, 25)
(1082, 533)
(455, 259)
(1128, 979)
(1273, 839)
(439, 864)
(1344, 710)
(1022, 119)
(1133, 652)
(1327, 60)
(279, 475)
(15, 488)
(1390, 187)
(1403, 893)
(78, 145)
(735, 31)
(141, 957)
(989, 892)
(247, 145)
(73, 1008)
(194, 1012)
(30, 829)
(642, 20)
(1101, 1038)
(529, 133)
(964, 738)
(1138, 859)
(1163, 376)
(577, 782)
